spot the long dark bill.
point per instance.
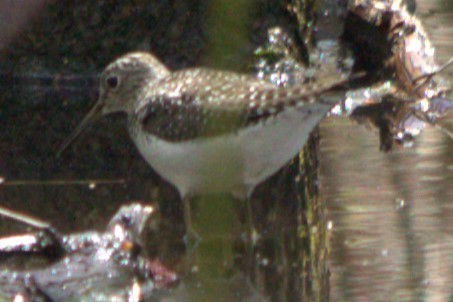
(93, 115)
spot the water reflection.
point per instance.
(391, 232)
(391, 213)
(391, 236)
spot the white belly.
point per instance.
(234, 163)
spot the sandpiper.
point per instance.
(208, 131)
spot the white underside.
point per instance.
(234, 163)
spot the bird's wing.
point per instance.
(201, 102)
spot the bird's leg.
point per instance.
(192, 238)
(253, 235)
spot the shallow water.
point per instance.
(389, 215)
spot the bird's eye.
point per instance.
(112, 82)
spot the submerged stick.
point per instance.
(34, 222)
